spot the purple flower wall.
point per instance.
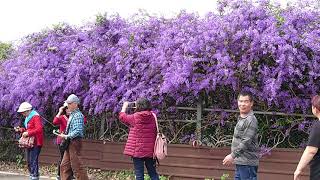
(272, 52)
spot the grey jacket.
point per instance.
(244, 148)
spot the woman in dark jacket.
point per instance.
(311, 154)
(141, 139)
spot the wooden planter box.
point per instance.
(183, 162)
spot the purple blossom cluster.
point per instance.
(272, 52)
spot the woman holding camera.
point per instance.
(141, 139)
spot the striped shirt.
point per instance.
(244, 148)
(75, 124)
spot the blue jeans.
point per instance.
(33, 163)
(139, 168)
(245, 172)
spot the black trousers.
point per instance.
(314, 171)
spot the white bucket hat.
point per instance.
(25, 106)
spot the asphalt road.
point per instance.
(13, 177)
(9, 176)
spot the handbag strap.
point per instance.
(47, 121)
(156, 119)
(68, 126)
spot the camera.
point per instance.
(132, 105)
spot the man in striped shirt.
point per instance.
(71, 161)
(244, 148)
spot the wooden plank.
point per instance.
(183, 161)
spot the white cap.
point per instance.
(25, 106)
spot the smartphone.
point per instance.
(56, 132)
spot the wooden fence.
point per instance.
(184, 162)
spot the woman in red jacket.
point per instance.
(33, 128)
(61, 120)
(141, 139)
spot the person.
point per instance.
(311, 155)
(141, 139)
(71, 161)
(32, 128)
(244, 148)
(61, 120)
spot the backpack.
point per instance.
(160, 145)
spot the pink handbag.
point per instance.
(26, 142)
(160, 145)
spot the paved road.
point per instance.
(11, 176)
(17, 177)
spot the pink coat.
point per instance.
(142, 134)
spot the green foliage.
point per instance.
(9, 149)
(101, 19)
(276, 10)
(147, 177)
(224, 176)
(5, 50)
(58, 27)
(118, 175)
(19, 160)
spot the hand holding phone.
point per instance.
(56, 132)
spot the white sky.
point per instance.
(19, 18)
